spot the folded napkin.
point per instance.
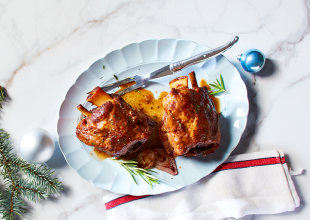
(246, 184)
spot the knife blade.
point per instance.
(171, 68)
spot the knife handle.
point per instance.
(177, 66)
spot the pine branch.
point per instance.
(39, 182)
(31, 191)
(2, 96)
(10, 204)
(41, 175)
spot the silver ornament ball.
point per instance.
(37, 146)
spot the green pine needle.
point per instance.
(10, 204)
(38, 183)
(220, 86)
(2, 96)
(132, 167)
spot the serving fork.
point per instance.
(170, 69)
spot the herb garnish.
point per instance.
(115, 77)
(132, 167)
(103, 66)
(197, 108)
(220, 86)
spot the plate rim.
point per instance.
(119, 49)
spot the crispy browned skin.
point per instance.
(115, 127)
(190, 125)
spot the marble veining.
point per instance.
(45, 45)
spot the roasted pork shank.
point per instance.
(190, 125)
(114, 127)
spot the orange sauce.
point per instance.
(145, 101)
(216, 100)
(100, 154)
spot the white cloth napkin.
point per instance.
(246, 184)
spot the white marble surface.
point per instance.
(45, 45)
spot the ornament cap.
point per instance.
(238, 56)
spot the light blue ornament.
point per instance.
(252, 60)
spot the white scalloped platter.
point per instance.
(139, 59)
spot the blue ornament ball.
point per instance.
(252, 60)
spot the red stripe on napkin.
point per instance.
(250, 163)
(224, 166)
(122, 200)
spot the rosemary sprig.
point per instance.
(220, 86)
(132, 167)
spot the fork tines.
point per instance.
(117, 83)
